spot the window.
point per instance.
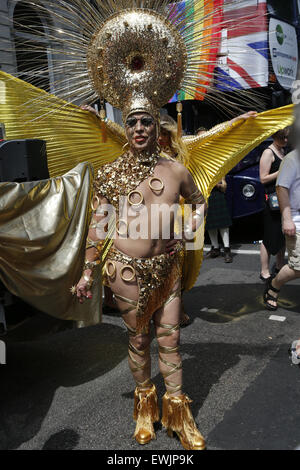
(284, 10)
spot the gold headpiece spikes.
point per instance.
(137, 61)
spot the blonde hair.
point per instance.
(177, 145)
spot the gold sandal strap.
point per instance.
(170, 329)
(144, 385)
(173, 296)
(141, 353)
(172, 387)
(138, 365)
(173, 366)
(176, 367)
(130, 309)
(168, 349)
(133, 349)
(131, 331)
(124, 299)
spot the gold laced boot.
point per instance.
(145, 413)
(146, 410)
(176, 415)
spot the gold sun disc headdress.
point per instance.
(137, 61)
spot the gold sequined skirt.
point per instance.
(156, 277)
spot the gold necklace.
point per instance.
(124, 175)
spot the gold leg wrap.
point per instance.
(177, 417)
(145, 413)
(174, 367)
(133, 304)
(170, 386)
(173, 296)
(138, 365)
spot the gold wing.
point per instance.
(215, 153)
(72, 135)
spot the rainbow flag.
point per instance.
(209, 32)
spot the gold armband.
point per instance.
(90, 264)
(94, 244)
(196, 198)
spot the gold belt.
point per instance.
(155, 276)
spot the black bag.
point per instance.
(273, 202)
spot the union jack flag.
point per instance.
(244, 57)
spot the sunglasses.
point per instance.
(145, 121)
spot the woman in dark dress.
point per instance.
(218, 220)
(273, 239)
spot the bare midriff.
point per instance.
(150, 216)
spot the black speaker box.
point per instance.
(23, 160)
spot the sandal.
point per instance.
(264, 279)
(294, 355)
(267, 297)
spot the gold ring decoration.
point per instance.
(135, 203)
(132, 270)
(154, 178)
(92, 203)
(118, 227)
(113, 264)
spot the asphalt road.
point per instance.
(72, 389)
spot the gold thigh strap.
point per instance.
(128, 301)
(173, 296)
(125, 299)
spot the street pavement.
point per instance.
(71, 388)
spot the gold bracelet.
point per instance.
(195, 198)
(90, 264)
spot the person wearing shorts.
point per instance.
(288, 192)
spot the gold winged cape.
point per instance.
(74, 136)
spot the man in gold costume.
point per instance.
(144, 279)
(135, 57)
